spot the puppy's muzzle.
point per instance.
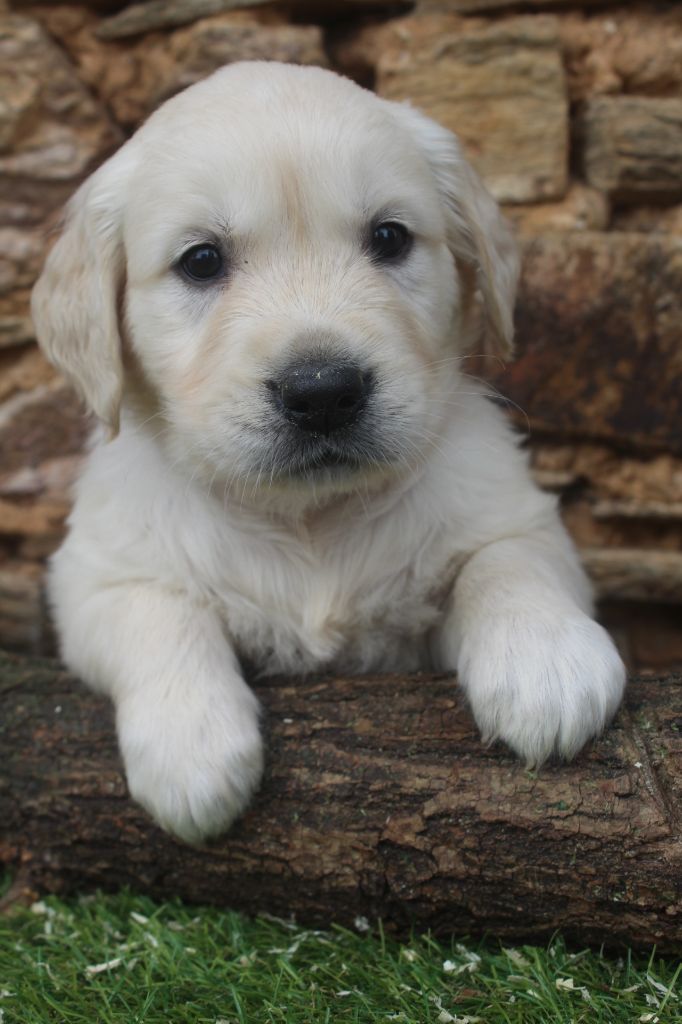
(322, 397)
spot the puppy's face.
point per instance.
(294, 262)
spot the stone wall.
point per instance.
(573, 114)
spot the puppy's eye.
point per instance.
(201, 262)
(390, 240)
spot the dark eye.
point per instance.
(390, 240)
(201, 262)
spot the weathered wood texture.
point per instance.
(379, 800)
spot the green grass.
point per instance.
(126, 959)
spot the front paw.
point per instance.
(194, 767)
(544, 684)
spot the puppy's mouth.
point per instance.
(321, 456)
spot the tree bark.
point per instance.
(379, 800)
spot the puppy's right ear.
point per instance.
(478, 234)
(75, 302)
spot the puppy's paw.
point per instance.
(544, 683)
(194, 766)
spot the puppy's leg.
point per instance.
(539, 673)
(187, 721)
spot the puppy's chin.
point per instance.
(322, 466)
(322, 461)
(314, 471)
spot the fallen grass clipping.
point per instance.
(125, 959)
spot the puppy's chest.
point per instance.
(304, 609)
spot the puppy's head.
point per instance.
(293, 268)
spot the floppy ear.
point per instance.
(75, 303)
(478, 235)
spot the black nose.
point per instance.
(323, 396)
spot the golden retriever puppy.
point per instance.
(267, 297)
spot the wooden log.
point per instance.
(379, 800)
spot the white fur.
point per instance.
(188, 549)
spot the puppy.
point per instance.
(267, 296)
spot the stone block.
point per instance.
(134, 76)
(493, 6)
(153, 15)
(656, 219)
(22, 609)
(52, 131)
(632, 146)
(52, 134)
(633, 50)
(21, 254)
(47, 422)
(138, 19)
(581, 209)
(499, 85)
(610, 474)
(598, 342)
(22, 370)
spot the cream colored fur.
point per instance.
(189, 551)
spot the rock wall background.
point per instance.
(573, 114)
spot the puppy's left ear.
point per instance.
(478, 235)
